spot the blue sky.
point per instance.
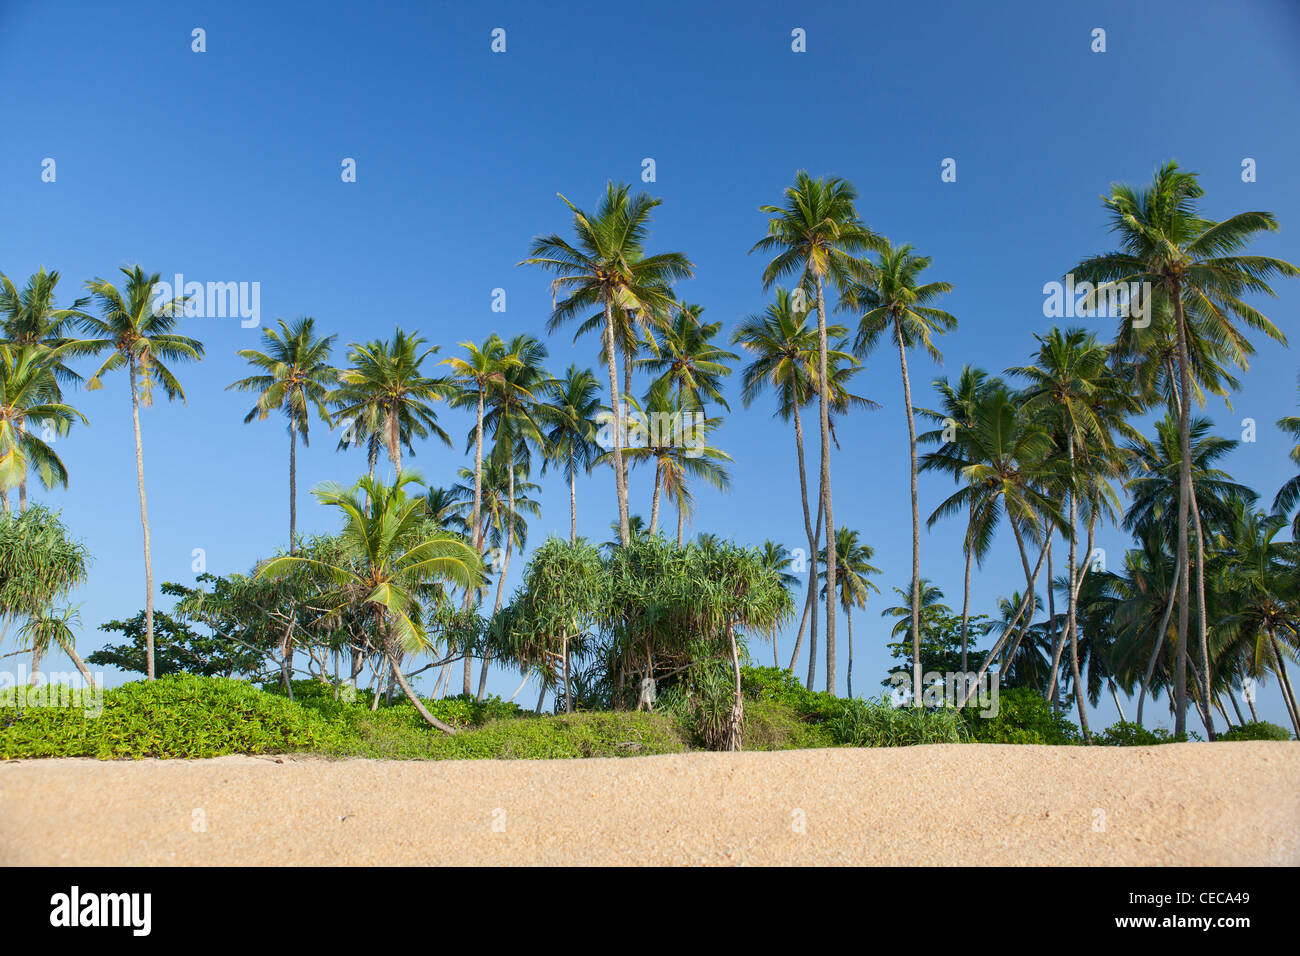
(225, 166)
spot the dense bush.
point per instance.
(1125, 733)
(180, 715)
(1023, 717)
(781, 686)
(1257, 730)
(459, 711)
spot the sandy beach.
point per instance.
(1188, 804)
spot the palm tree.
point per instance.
(956, 418)
(1191, 262)
(852, 582)
(570, 440)
(297, 378)
(1289, 493)
(896, 303)
(777, 559)
(816, 233)
(690, 361)
(392, 560)
(661, 432)
(138, 332)
(384, 398)
(605, 269)
(29, 396)
(1081, 403)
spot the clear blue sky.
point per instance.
(226, 166)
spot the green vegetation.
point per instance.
(647, 643)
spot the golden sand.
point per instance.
(1178, 804)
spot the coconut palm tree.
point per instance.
(393, 559)
(1193, 263)
(1289, 493)
(29, 398)
(30, 317)
(137, 329)
(574, 402)
(955, 418)
(605, 268)
(678, 445)
(688, 359)
(816, 234)
(1080, 402)
(777, 559)
(385, 399)
(851, 580)
(297, 378)
(895, 303)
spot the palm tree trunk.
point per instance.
(848, 613)
(965, 597)
(1202, 624)
(80, 665)
(144, 521)
(573, 499)
(1058, 642)
(22, 494)
(823, 388)
(1184, 502)
(813, 531)
(1011, 626)
(1114, 695)
(1232, 698)
(1031, 600)
(732, 740)
(293, 484)
(654, 502)
(415, 701)
(1160, 640)
(501, 578)
(541, 699)
(1072, 618)
(616, 406)
(1288, 695)
(916, 520)
(681, 521)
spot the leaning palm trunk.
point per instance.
(823, 388)
(80, 665)
(654, 501)
(813, 532)
(144, 521)
(1160, 639)
(1202, 623)
(965, 598)
(616, 406)
(916, 521)
(415, 701)
(1006, 634)
(1184, 503)
(1058, 640)
(1288, 695)
(1071, 611)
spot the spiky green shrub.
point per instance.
(1257, 730)
(878, 723)
(180, 715)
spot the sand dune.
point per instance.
(1188, 804)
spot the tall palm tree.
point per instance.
(29, 396)
(385, 399)
(605, 268)
(1193, 263)
(30, 317)
(296, 377)
(896, 303)
(661, 432)
(393, 559)
(816, 234)
(138, 332)
(955, 417)
(574, 402)
(777, 559)
(1073, 392)
(689, 360)
(851, 580)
